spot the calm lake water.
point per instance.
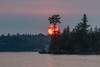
(33, 59)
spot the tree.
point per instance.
(66, 38)
(81, 34)
(54, 44)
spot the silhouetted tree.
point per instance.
(54, 44)
(81, 34)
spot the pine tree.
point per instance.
(54, 44)
(81, 34)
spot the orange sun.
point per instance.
(51, 30)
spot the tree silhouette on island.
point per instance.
(54, 20)
(81, 40)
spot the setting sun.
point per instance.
(51, 30)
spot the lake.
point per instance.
(33, 59)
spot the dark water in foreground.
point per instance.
(32, 59)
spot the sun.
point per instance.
(53, 31)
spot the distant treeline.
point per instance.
(24, 42)
(83, 39)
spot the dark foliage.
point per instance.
(25, 42)
(81, 40)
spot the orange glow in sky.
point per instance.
(51, 30)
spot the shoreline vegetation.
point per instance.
(23, 42)
(82, 39)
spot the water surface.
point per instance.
(33, 59)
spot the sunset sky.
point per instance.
(31, 16)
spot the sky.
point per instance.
(31, 16)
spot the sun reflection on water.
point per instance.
(50, 64)
(50, 61)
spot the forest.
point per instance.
(82, 39)
(23, 42)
